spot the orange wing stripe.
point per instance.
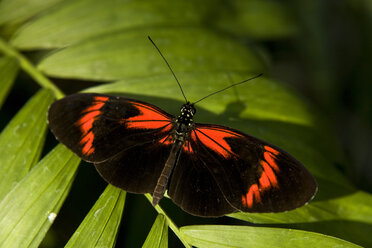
(252, 196)
(272, 150)
(264, 181)
(269, 173)
(96, 106)
(270, 160)
(85, 123)
(101, 98)
(149, 118)
(215, 140)
(87, 143)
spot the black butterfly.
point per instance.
(208, 170)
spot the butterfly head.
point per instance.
(188, 108)
(187, 112)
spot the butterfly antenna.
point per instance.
(174, 75)
(259, 75)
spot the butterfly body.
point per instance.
(182, 128)
(208, 170)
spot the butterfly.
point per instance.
(208, 170)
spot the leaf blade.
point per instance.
(104, 58)
(16, 11)
(8, 71)
(22, 140)
(244, 236)
(100, 226)
(243, 17)
(158, 236)
(74, 21)
(31, 207)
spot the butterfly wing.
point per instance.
(250, 174)
(123, 137)
(97, 127)
(193, 188)
(136, 169)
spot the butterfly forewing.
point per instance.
(97, 127)
(252, 175)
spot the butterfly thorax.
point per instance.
(185, 122)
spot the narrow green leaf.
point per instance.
(22, 141)
(15, 11)
(130, 54)
(169, 221)
(39, 236)
(30, 208)
(74, 21)
(158, 236)
(100, 226)
(8, 71)
(245, 236)
(29, 68)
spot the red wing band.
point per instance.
(266, 181)
(85, 123)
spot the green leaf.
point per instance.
(27, 212)
(158, 236)
(15, 11)
(245, 236)
(241, 18)
(8, 71)
(130, 54)
(74, 21)
(100, 226)
(22, 141)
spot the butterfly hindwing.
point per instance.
(97, 127)
(278, 181)
(194, 189)
(137, 168)
(252, 175)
